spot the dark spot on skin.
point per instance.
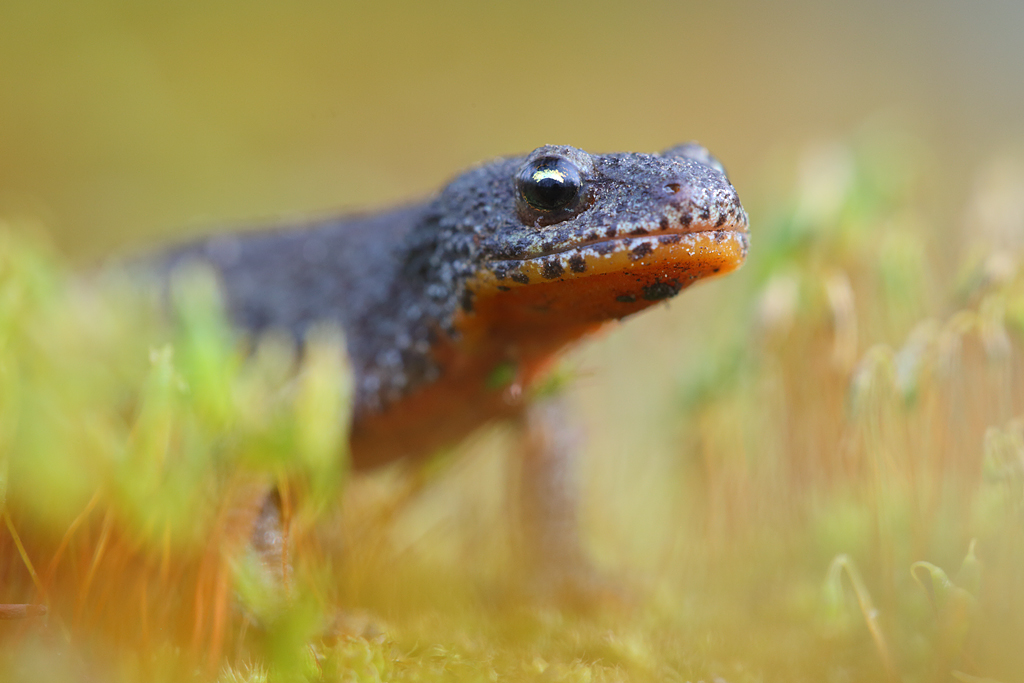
(639, 230)
(521, 278)
(547, 246)
(705, 214)
(467, 300)
(662, 290)
(552, 268)
(719, 236)
(670, 239)
(686, 219)
(716, 270)
(663, 223)
(577, 263)
(611, 232)
(641, 250)
(603, 248)
(721, 221)
(503, 288)
(625, 299)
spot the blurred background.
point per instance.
(877, 146)
(123, 121)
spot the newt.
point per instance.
(455, 307)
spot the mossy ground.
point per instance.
(831, 491)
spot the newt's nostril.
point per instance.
(673, 188)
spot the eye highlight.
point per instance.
(549, 184)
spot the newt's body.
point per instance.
(505, 267)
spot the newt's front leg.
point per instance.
(548, 542)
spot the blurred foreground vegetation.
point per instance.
(847, 488)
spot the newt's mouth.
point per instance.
(681, 251)
(586, 283)
(589, 280)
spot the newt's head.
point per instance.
(565, 235)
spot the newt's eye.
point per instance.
(549, 183)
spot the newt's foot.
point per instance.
(583, 590)
(346, 623)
